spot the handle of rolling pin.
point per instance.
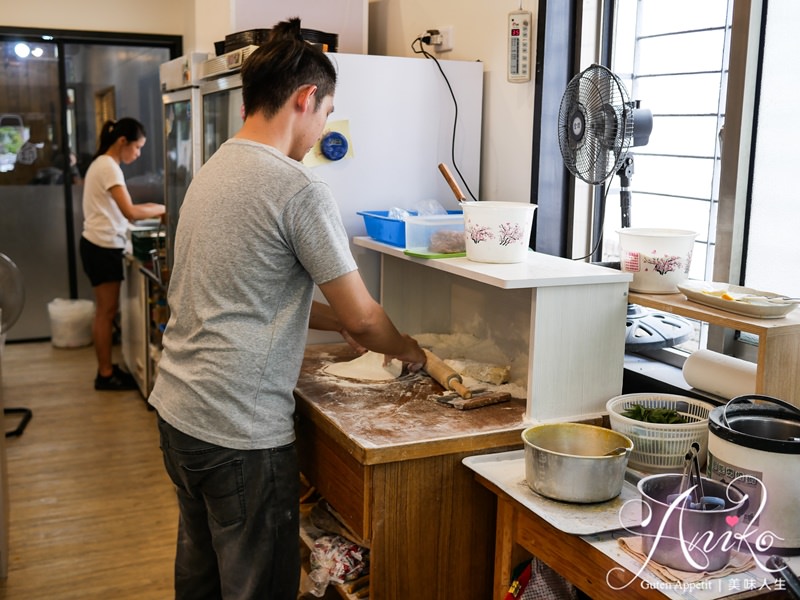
(460, 388)
(452, 182)
(445, 375)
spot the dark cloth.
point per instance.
(102, 265)
(230, 502)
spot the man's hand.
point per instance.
(353, 344)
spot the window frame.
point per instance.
(735, 190)
(567, 230)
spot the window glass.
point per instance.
(672, 57)
(772, 250)
(659, 17)
(681, 52)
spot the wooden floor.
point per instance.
(92, 512)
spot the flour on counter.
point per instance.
(462, 351)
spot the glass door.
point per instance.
(53, 94)
(32, 167)
(182, 154)
(222, 112)
(114, 81)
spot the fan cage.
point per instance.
(595, 124)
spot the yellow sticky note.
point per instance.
(315, 157)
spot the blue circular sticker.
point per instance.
(333, 145)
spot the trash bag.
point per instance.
(71, 322)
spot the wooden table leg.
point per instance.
(508, 554)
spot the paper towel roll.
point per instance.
(720, 374)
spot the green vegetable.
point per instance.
(667, 416)
(10, 139)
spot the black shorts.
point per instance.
(102, 265)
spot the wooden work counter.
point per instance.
(388, 460)
(528, 525)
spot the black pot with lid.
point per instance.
(329, 42)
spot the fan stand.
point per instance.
(625, 173)
(597, 116)
(646, 329)
(27, 415)
(10, 276)
(649, 330)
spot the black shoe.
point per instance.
(118, 381)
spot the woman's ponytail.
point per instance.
(127, 127)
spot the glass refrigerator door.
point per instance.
(33, 186)
(181, 154)
(222, 115)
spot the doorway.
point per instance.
(58, 89)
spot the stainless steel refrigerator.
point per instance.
(180, 80)
(142, 296)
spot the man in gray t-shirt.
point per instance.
(257, 230)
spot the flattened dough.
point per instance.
(367, 367)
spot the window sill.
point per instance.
(644, 374)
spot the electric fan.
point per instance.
(597, 125)
(12, 299)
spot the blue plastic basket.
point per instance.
(384, 229)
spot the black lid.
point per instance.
(758, 422)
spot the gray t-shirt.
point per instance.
(256, 231)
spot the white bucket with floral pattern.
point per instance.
(659, 259)
(497, 232)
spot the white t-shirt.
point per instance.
(103, 222)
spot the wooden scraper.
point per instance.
(476, 401)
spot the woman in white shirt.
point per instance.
(107, 209)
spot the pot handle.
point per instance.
(779, 566)
(750, 397)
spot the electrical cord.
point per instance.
(602, 223)
(425, 39)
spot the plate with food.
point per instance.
(737, 299)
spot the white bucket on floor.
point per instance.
(659, 259)
(497, 232)
(71, 322)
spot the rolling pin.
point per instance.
(452, 182)
(435, 367)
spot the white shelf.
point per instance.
(562, 321)
(538, 270)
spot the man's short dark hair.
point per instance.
(275, 70)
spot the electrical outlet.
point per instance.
(446, 44)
